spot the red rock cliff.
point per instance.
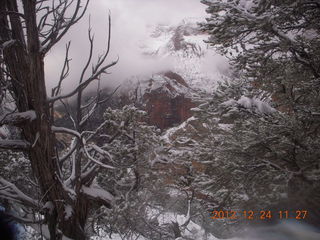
(169, 103)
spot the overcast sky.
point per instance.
(130, 19)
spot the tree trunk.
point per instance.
(26, 66)
(74, 227)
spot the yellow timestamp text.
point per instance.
(258, 215)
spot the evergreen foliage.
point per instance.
(275, 46)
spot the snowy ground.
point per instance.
(192, 231)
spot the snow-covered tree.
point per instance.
(239, 153)
(52, 189)
(235, 122)
(274, 45)
(133, 146)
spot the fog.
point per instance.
(130, 19)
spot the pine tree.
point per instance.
(275, 46)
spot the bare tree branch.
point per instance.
(62, 24)
(83, 84)
(64, 72)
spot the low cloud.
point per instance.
(130, 20)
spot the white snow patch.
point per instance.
(97, 192)
(49, 205)
(255, 104)
(68, 211)
(245, 102)
(167, 135)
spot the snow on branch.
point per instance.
(16, 119)
(73, 147)
(14, 144)
(256, 104)
(96, 161)
(97, 193)
(102, 152)
(251, 104)
(95, 132)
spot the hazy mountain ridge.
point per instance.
(184, 47)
